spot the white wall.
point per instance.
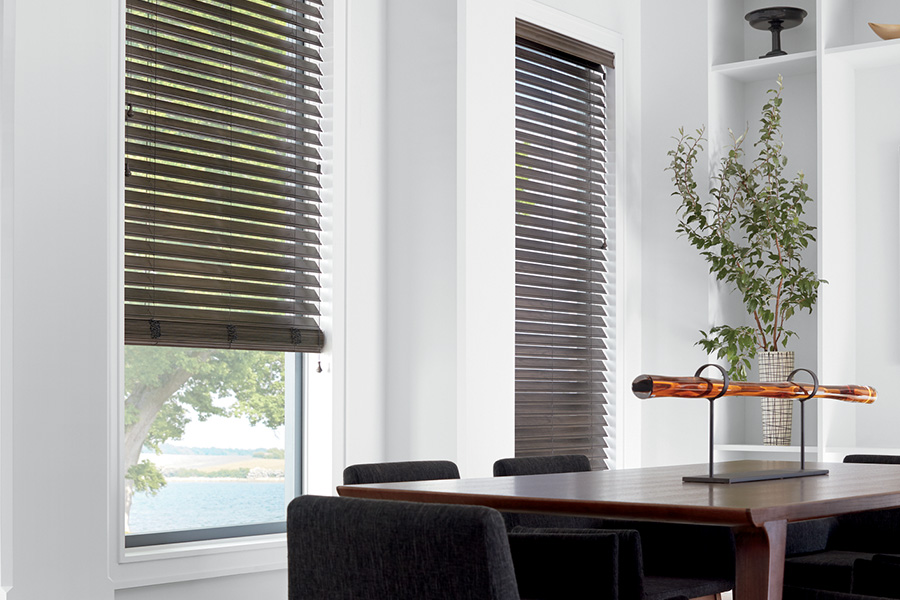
(674, 277)
(485, 253)
(878, 253)
(59, 207)
(251, 585)
(421, 230)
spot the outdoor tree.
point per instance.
(165, 387)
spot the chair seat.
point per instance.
(661, 588)
(828, 570)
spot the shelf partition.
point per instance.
(761, 69)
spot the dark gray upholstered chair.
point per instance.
(879, 576)
(871, 579)
(414, 470)
(798, 593)
(822, 553)
(677, 559)
(875, 459)
(353, 549)
(541, 465)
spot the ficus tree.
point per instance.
(749, 228)
(166, 387)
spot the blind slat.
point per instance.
(220, 209)
(221, 242)
(192, 253)
(160, 264)
(219, 94)
(139, 279)
(232, 162)
(179, 219)
(148, 166)
(141, 120)
(222, 148)
(138, 184)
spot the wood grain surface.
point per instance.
(662, 386)
(659, 494)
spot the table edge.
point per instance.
(711, 515)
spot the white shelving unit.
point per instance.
(825, 54)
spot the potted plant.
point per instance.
(750, 230)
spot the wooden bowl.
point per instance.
(886, 31)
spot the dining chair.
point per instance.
(542, 465)
(800, 593)
(690, 560)
(872, 579)
(535, 549)
(388, 472)
(349, 548)
(822, 553)
(875, 459)
(879, 576)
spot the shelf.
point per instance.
(759, 448)
(871, 55)
(760, 69)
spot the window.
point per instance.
(562, 256)
(221, 261)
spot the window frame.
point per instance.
(294, 398)
(169, 563)
(293, 484)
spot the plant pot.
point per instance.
(776, 412)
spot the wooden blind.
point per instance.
(561, 254)
(222, 174)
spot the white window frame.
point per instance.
(185, 561)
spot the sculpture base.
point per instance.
(755, 476)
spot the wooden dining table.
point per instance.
(757, 511)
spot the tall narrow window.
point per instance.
(221, 259)
(561, 246)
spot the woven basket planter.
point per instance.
(776, 412)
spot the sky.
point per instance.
(229, 432)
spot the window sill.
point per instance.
(184, 561)
(165, 551)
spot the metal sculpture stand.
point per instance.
(744, 476)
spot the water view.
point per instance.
(190, 504)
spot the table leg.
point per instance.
(759, 568)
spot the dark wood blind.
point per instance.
(222, 174)
(565, 44)
(561, 255)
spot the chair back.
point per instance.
(540, 465)
(879, 459)
(349, 548)
(389, 472)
